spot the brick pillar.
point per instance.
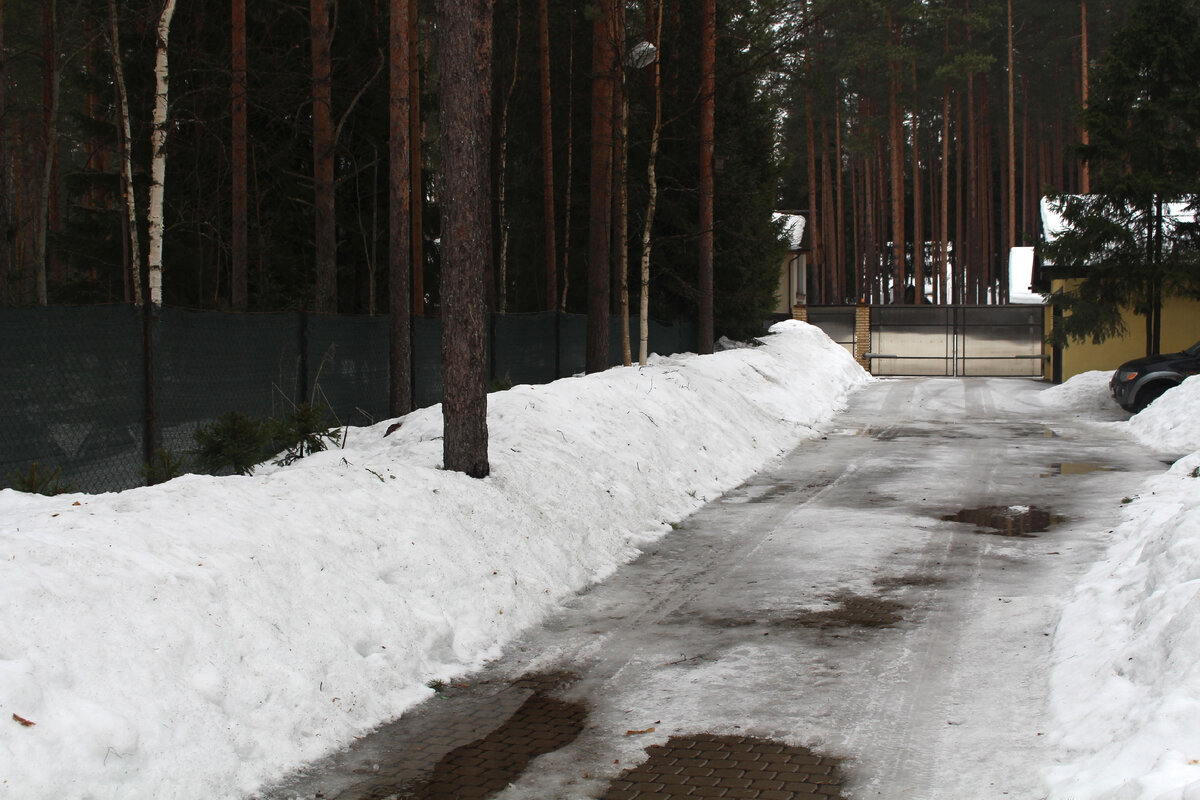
(862, 335)
(800, 313)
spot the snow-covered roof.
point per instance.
(1053, 224)
(793, 227)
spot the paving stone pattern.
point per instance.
(731, 767)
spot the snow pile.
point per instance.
(197, 638)
(1171, 421)
(1125, 684)
(1084, 393)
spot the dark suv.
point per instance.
(1138, 383)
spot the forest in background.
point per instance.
(920, 137)
(887, 123)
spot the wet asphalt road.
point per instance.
(886, 596)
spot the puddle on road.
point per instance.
(706, 765)
(979, 430)
(1016, 521)
(1077, 468)
(478, 769)
(915, 580)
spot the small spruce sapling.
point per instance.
(37, 480)
(165, 466)
(301, 432)
(234, 441)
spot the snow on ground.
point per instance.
(197, 638)
(1171, 423)
(1084, 395)
(1125, 684)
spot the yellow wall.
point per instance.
(1180, 329)
(783, 303)
(791, 271)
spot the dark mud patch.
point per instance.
(844, 611)
(891, 434)
(849, 611)
(706, 765)
(758, 493)
(468, 742)
(1015, 521)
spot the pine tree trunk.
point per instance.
(896, 182)
(918, 204)
(325, 223)
(944, 215)
(1011, 239)
(828, 291)
(1085, 186)
(134, 274)
(870, 253)
(464, 68)
(548, 217)
(5, 256)
(708, 96)
(839, 238)
(621, 184)
(568, 192)
(855, 234)
(972, 233)
(400, 55)
(958, 290)
(502, 167)
(814, 203)
(158, 148)
(600, 220)
(239, 278)
(652, 202)
(622, 217)
(416, 182)
(50, 98)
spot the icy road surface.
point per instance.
(887, 594)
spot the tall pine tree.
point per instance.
(1127, 244)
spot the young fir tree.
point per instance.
(1127, 245)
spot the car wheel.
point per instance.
(1148, 394)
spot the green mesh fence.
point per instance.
(348, 367)
(207, 363)
(71, 395)
(73, 380)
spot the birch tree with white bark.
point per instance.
(158, 147)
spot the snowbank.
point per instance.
(1171, 422)
(1125, 684)
(1085, 394)
(200, 637)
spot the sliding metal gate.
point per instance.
(957, 340)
